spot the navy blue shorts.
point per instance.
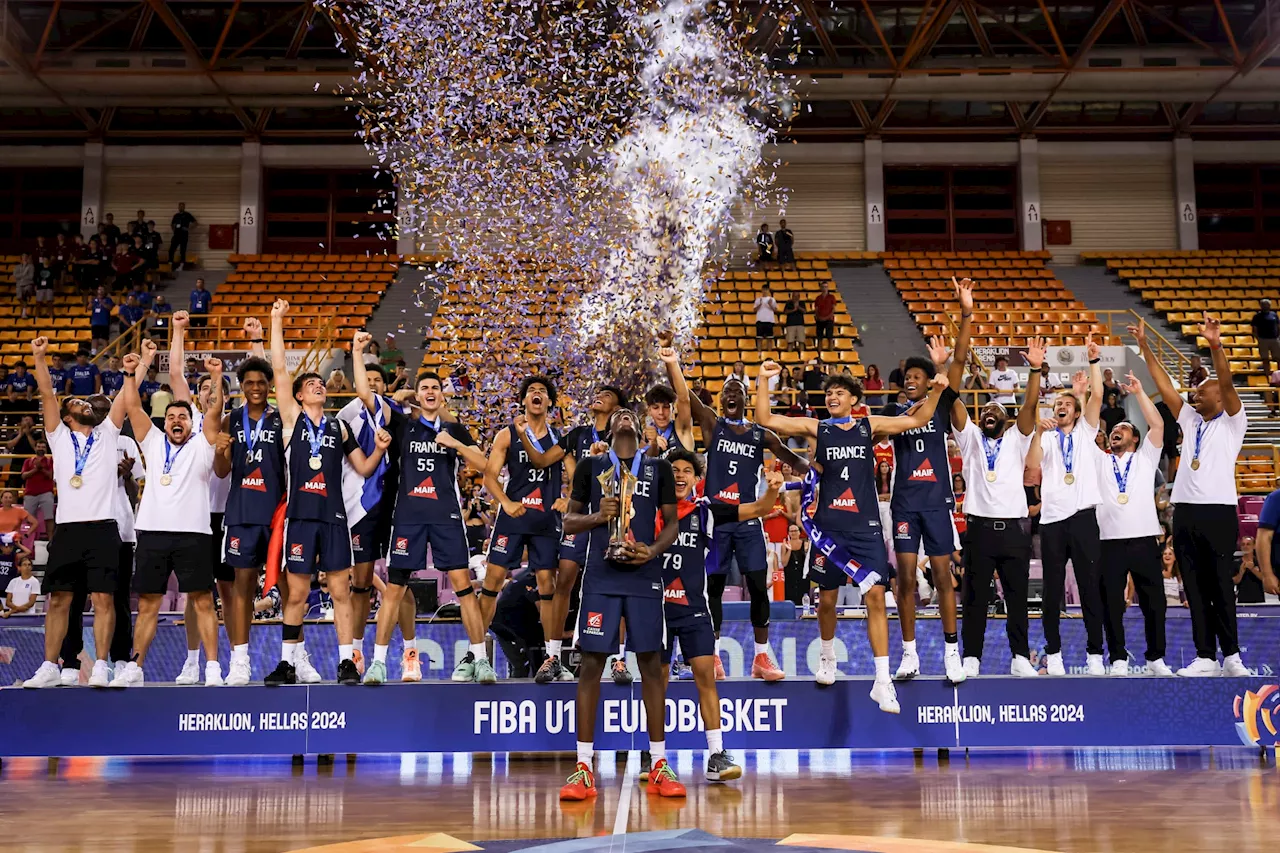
(507, 546)
(573, 548)
(695, 633)
(867, 550)
(935, 526)
(369, 538)
(244, 546)
(316, 546)
(743, 539)
(409, 544)
(600, 619)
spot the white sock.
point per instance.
(553, 648)
(479, 651)
(193, 657)
(240, 651)
(908, 647)
(302, 648)
(622, 650)
(762, 648)
(882, 668)
(345, 651)
(288, 652)
(717, 646)
(586, 751)
(358, 642)
(212, 666)
(379, 653)
(953, 649)
(411, 643)
(829, 648)
(715, 743)
(658, 750)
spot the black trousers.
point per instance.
(122, 638)
(1141, 558)
(1074, 539)
(178, 246)
(1204, 540)
(995, 546)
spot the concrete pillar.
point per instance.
(1184, 190)
(91, 211)
(250, 215)
(1029, 194)
(873, 187)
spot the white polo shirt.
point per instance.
(1005, 497)
(183, 505)
(1137, 518)
(766, 309)
(95, 499)
(1006, 382)
(1060, 500)
(123, 508)
(23, 589)
(1214, 482)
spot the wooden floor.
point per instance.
(1082, 800)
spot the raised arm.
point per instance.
(1211, 328)
(1036, 348)
(1035, 454)
(358, 345)
(785, 454)
(1164, 385)
(285, 404)
(920, 415)
(213, 417)
(493, 469)
(177, 357)
(539, 457)
(367, 465)
(1093, 406)
(684, 409)
(964, 294)
(129, 391)
(253, 333)
(802, 427)
(698, 412)
(763, 505)
(49, 410)
(1155, 423)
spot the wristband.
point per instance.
(1215, 346)
(1095, 360)
(255, 340)
(964, 316)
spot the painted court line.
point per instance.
(629, 776)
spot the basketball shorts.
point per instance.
(743, 539)
(935, 526)
(369, 538)
(507, 545)
(187, 555)
(600, 619)
(869, 551)
(573, 548)
(409, 545)
(83, 555)
(695, 633)
(316, 546)
(244, 546)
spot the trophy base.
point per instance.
(616, 551)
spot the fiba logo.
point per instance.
(1066, 357)
(1258, 716)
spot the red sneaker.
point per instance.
(663, 781)
(764, 667)
(581, 784)
(719, 669)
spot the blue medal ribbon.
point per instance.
(992, 451)
(1067, 447)
(315, 434)
(169, 460)
(847, 419)
(251, 434)
(864, 577)
(1200, 430)
(82, 458)
(1122, 480)
(740, 422)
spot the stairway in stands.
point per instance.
(401, 313)
(887, 332)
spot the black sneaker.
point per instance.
(549, 671)
(347, 673)
(720, 767)
(284, 673)
(646, 765)
(621, 675)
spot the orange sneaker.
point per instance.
(663, 781)
(764, 667)
(581, 784)
(411, 665)
(719, 669)
(357, 657)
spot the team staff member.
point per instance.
(1265, 548)
(1130, 530)
(1205, 525)
(994, 453)
(85, 550)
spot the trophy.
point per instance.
(618, 482)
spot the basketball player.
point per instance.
(1205, 521)
(528, 515)
(995, 504)
(666, 433)
(85, 550)
(735, 459)
(316, 537)
(576, 445)
(848, 517)
(173, 517)
(1130, 530)
(627, 585)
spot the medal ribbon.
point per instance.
(82, 458)
(1200, 430)
(315, 434)
(169, 460)
(1122, 480)
(1067, 447)
(992, 451)
(251, 435)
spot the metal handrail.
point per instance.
(320, 347)
(1168, 354)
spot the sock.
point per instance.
(882, 668)
(658, 750)
(193, 657)
(302, 648)
(379, 653)
(715, 743)
(908, 647)
(411, 643)
(762, 648)
(240, 651)
(212, 665)
(288, 652)
(586, 751)
(951, 638)
(829, 648)
(345, 651)
(622, 650)
(717, 645)
(553, 648)
(480, 652)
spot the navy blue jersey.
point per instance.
(315, 494)
(922, 470)
(429, 474)
(684, 564)
(82, 376)
(536, 488)
(58, 375)
(673, 438)
(22, 383)
(257, 475)
(656, 486)
(112, 382)
(577, 441)
(733, 464)
(847, 501)
(8, 567)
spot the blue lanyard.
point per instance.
(668, 433)
(992, 451)
(595, 436)
(434, 427)
(617, 465)
(847, 419)
(1122, 480)
(251, 435)
(168, 461)
(1200, 430)
(315, 435)
(551, 433)
(1067, 447)
(743, 422)
(82, 458)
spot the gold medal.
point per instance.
(76, 481)
(315, 463)
(991, 476)
(1123, 499)
(1069, 478)
(165, 479)
(1195, 464)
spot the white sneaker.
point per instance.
(118, 668)
(1119, 667)
(1095, 666)
(190, 674)
(46, 676)
(972, 666)
(1020, 667)
(827, 672)
(305, 671)
(239, 673)
(909, 668)
(1158, 667)
(213, 674)
(883, 694)
(101, 675)
(1054, 664)
(130, 676)
(955, 668)
(1233, 667)
(1201, 668)
(69, 677)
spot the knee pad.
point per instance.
(464, 592)
(292, 632)
(542, 597)
(361, 590)
(490, 593)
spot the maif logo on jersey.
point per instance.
(675, 594)
(533, 500)
(316, 486)
(729, 494)
(425, 489)
(846, 502)
(254, 481)
(595, 624)
(500, 544)
(233, 545)
(295, 552)
(904, 530)
(924, 474)
(402, 546)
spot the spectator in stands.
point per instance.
(148, 388)
(794, 581)
(143, 296)
(1172, 576)
(84, 376)
(181, 225)
(793, 309)
(1112, 411)
(21, 446)
(160, 317)
(22, 592)
(824, 316)
(873, 382)
(127, 267)
(701, 392)
(100, 318)
(1268, 557)
(764, 243)
(786, 391)
(45, 282)
(1172, 440)
(1273, 403)
(20, 388)
(13, 518)
(898, 376)
(200, 301)
(104, 238)
(1004, 381)
(138, 227)
(62, 255)
(813, 379)
(1196, 374)
(94, 262)
(160, 401)
(974, 381)
(130, 312)
(390, 353)
(112, 377)
(1266, 331)
(58, 373)
(1109, 383)
(110, 228)
(152, 244)
(739, 372)
(766, 308)
(24, 281)
(37, 485)
(400, 379)
(785, 242)
(1248, 574)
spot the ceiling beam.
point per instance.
(820, 31)
(1187, 34)
(226, 30)
(1053, 31)
(1267, 44)
(48, 31)
(1135, 25)
(1226, 27)
(884, 42)
(140, 31)
(303, 9)
(1091, 38)
(1017, 33)
(14, 57)
(76, 45)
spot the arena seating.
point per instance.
(68, 330)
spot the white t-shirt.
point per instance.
(1060, 500)
(123, 508)
(766, 309)
(1215, 480)
(1006, 382)
(183, 505)
(219, 487)
(23, 589)
(1138, 517)
(1005, 498)
(95, 499)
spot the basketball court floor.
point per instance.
(1060, 800)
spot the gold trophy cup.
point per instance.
(621, 484)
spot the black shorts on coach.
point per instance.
(84, 554)
(187, 555)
